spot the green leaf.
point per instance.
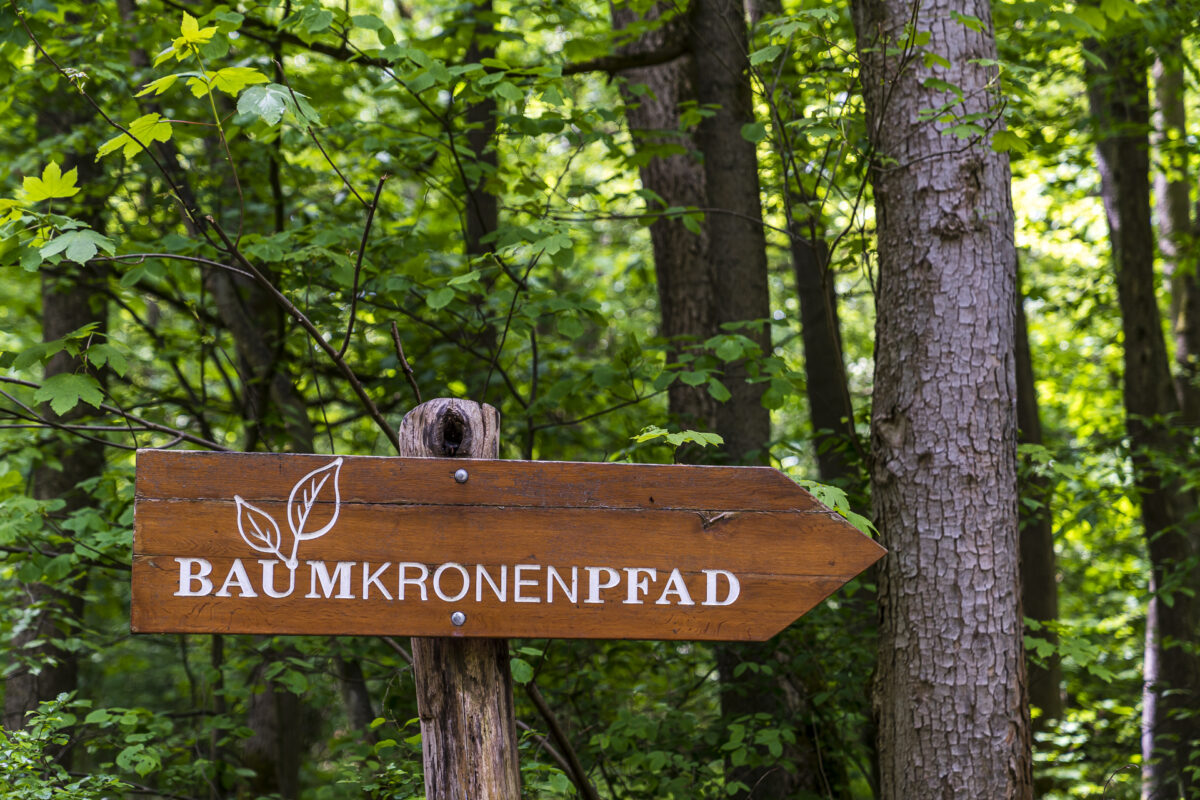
(969, 21)
(53, 184)
(144, 130)
(569, 326)
(232, 80)
(509, 92)
(768, 53)
(1005, 141)
(65, 390)
(718, 390)
(439, 298)
(79, 246)
(754, 131)
(191, 35)
(729, 349)
(522, 671)
(265, 102)
(157, 87)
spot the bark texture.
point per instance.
(1119, 96)
(464, 686)
(733, 219)
(950, 694)
(685, 279)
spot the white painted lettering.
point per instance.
(341, 574)
(735, 588)
(188, 577)
(268, 578)
(594, 585)
(373, 578)
(418, 581)
(482, 576)
(437, 582)
(519, 582)
(237, 578)
(677, 587)
(634, 587)
(553, 577)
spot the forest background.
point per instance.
(644, 232)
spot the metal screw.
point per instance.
(461, 477)
(458, 618)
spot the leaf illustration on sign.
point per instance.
(257, 528)
(300, 508)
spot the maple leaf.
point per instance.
(192, 33)
(52, 184)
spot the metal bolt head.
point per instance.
(458, 618)
(460, 476)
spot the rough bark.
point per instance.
(464, 687)
(482, 209)
(684, 273)
(736, 242)
(1176, 229)
(949, 694)
(1120, 102)
(1039, 580)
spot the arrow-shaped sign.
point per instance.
(309, 544)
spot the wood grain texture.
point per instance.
(464, 687)
(196, 475)
(787, 555)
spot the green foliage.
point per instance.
(275, 123)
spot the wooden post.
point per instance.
(464, 686)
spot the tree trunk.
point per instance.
(1172, 191)
(1120, 102)
(684, 273)
(464, 686)
(950, 693)
(1039, 579)
(70, 301)
(829, 405)
(733, 216)
(737, 255)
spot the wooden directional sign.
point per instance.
(260, 543)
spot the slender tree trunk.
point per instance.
(1039, 579)
(950, 693)
(1176, 229)
(72, 297)
(824, 367)
(1120, 101)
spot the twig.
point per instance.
(313, 135)
(576, 770)
(154, 426)
(139, 257)
(408, 372)
(512, 307)
(399, 648)
(362, 249)
(290, 307)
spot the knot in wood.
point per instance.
(452, 434)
